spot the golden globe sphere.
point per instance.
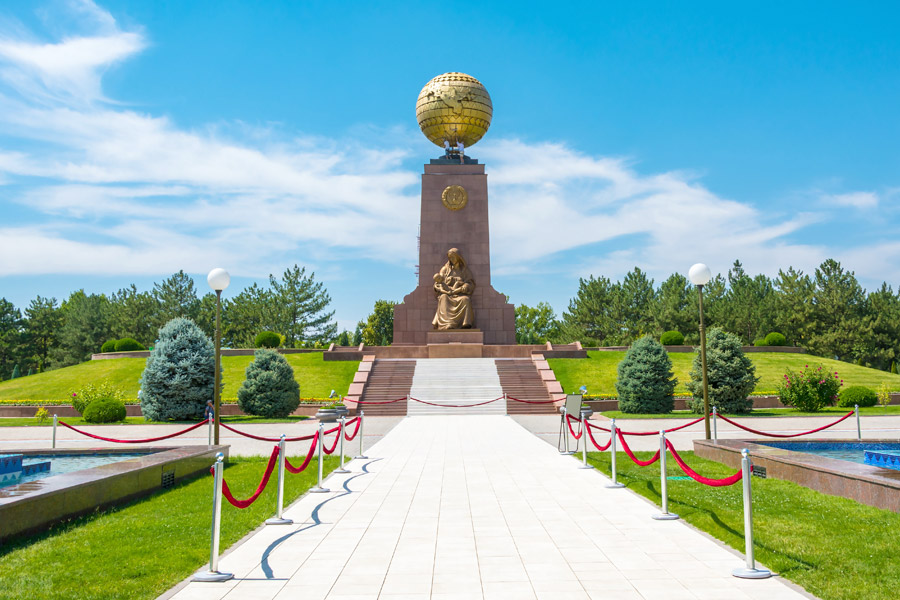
(454, 107)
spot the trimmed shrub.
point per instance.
(671, 338)
(104, 410)
(270, 389)
(730, 374)
(646, 381)
(129, 345)
(86, 395)
(760, 342)
(178, 378)
(15, 372)
(267, 339)
(857, 394)
(108, 346)
(894, 367)
(775, 339)
(810, 390)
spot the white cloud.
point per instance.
(860, 200)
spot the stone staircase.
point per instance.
(520, 379)
(389, 379)
(457, 381)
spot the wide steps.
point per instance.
(456, 386)
(520, 379)
(388, 380)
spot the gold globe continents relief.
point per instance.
(454, 107)
(455, 197)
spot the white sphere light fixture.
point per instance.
(218, 279)
(699, 274)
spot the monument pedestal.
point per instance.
(448, 222)
(456, 343)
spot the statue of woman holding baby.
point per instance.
(453, 286)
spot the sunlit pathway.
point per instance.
(477, 507)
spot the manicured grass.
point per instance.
(837, 549)
(316, 377)
(142, 549)
(598, 372)
(79, 422)
(829, 411)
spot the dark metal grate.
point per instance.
(168, 479)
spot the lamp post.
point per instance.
(218, 280)
(699, 276)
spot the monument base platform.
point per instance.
(410, 351)
(455, 336)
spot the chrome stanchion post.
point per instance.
(341, 433)
(715, 425)
(362, 423)
(858, 428)
(55, 421)
(210, 422)
(584, 432)
(278, 519)
(213, 574)
(665, 515)
(321, 437)
(564, 432)
(612, 456)
(750, 571)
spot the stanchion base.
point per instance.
(665, 517)
(213, 576)
(277, 521)
(585, 466)
(745, 573)
(360, 457)
(342, 471)
(615, 485)
(568, 452)
(319, 490)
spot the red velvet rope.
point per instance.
(455, 405)
(532, 401)
(355, 431)
(785, 435)
(262, 484)
(334, 445)
(637, 461)
(577, 436)
(267, 439)
(142, 441)
(650, 432)
(309, 455)
(730, 480)
(593, 441)
(374, 401)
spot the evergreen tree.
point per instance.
(270, 389)
(246, 315)
(588, 318)
(731, 376)
(672, 309)
(881, 347)
(11, 337)
(134, 314)
(299, 308)
(357, 333)
(343, 339)
(43, 321)
(794, 306)
(379, 327)
(176, 297)
(15, 372)
(85, 328)
(749, 303)
(646, 381)
(839, 303)
(178, 379)
(637, 297)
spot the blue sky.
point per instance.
(140, 138)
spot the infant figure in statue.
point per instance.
(453, 287)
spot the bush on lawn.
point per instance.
(645, 379)
(104, 410)
(178, 378)
(270, 389)
(760, 342)
(267, 339)
(129, 345)
(857, 394)
(108, 346)
(730, 374)
(775, 339)
(671, 338)
(103, 390)
(810, 390)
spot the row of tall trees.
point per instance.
(49, 334)
(828, 312)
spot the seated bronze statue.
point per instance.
(453, 286)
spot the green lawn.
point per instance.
(142, 549)
(598, 372)
(315, 376)
(80, 422)
(833, 411)
(837, 549)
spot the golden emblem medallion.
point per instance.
(455, 197)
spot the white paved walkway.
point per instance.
(477, 507)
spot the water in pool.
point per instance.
(851, 451)
(67, 463)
